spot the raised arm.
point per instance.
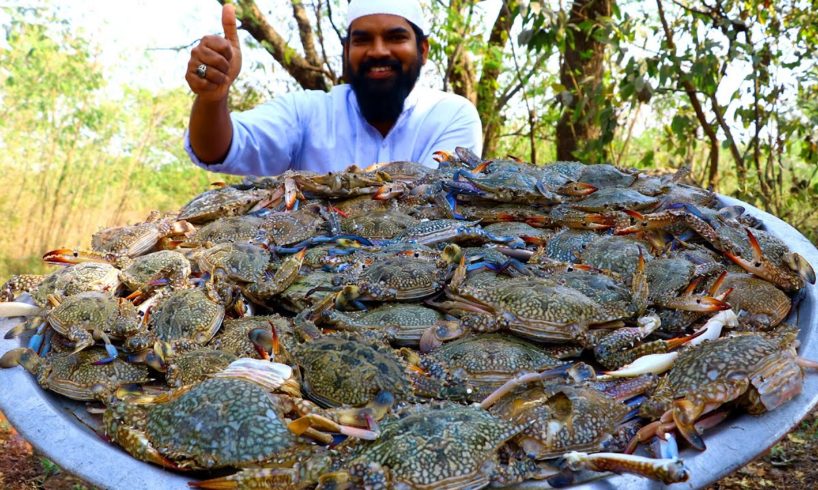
(214, 63)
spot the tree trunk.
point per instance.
(487, 88)
(581, 75)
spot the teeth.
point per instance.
(381, 69)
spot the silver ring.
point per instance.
(201, 71)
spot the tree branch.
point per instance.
(307, 75)
(492, 67)
(694, 101)
(305, 33)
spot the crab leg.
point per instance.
(303, 426)
(11, 309)
(579, 370)
(665, 470)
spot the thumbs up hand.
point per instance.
(216, 61)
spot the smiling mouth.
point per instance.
(380, 71)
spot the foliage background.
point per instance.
(727, 88)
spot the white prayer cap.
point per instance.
(408, 9)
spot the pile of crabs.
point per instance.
(485, 322)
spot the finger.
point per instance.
(200, 85)
(229, 25)
(211, 74)
(217, 44)
(211, 58)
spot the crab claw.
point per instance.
(10, 309)
(302, 426)
(711, 330)
(375, 410)
(763, 268)
(21, 356)
(433, 337)
(441, 156)
(641, 223)
(704, 304)
(799, 264)
(291, 194)
(685, 414)
(651, 363)
(468, 157)
(390, 191)
(527, 378)
(578, 189)
(665, 470)
(62, 256)
(112, 355)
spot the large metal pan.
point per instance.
(51, 422)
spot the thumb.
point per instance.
(229, 24)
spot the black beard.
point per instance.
(382, 100)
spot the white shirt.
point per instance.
(325, 131)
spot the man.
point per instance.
(380, 116)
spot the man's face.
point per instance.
(382, 64)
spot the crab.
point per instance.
(604, 175)
(241, 336)
(770, 258)
(758, 252)
(615, 199)
(226, 201)
(78, 375)
(760, 371)
(399, 278)
(764, 305)
(268, 285)
(567, 244)
(184, 320)
(165, 267)
(561, 418)
(177, 430)
(671, 282)
(195, 366)
(378, 225)
(450, 446)
(349, 183)
(538, 309)
(249, 267)
(345, 369)
(472, 367)
(244, 228)
(614, 253)
(138, 239)
(84, 317)
(503, 182)
(78, 278)
(402, 324)
(307, 290)
(450, 230)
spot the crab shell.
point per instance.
(723, 370)
(218, 423)
(342, 370)
(562, 418)
(448, 447)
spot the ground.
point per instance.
(792, 463)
